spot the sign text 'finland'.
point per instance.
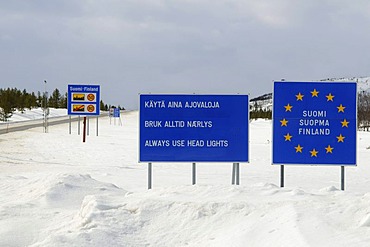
(315, 123)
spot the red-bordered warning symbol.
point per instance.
(91, 97)
(90, 108)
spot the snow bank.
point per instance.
(58, 191)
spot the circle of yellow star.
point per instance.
(314, 153)
(315, 93)
(288, 137)
(329, 149)
(284, 122)
(298, 149)
(341, 108)
(340, 138)
(288, 107)
(344, 123)
(330, 97)
(299, 96)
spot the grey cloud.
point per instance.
(203, 46)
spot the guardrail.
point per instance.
(7, 127)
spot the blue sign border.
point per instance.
(224, 123)
(84, 89)
(315, 123)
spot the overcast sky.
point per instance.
(180, 46)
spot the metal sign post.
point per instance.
(79, 125)
(235, 174)
(342, 178)
(70, 125)
(149, 176)
(88, 126)
(97, 125)
(282, 176)
(84, 130)
(194, 174)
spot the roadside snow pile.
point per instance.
(58, 191)
(260, 215)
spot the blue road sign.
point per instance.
(315, 123)
(116, 112)
(83, 100)
(194, 128)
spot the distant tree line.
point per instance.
(257, 111)
(363, 111)
(12, 99)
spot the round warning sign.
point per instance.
(91, 97)
(90, 108)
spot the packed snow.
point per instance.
(36, 113)
(58, 191)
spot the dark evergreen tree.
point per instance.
(55, 99)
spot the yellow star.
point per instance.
(340, 138)
(288, 107)
(315, 93)
(288, 137)
(284, 122)
(314, 153)
(298, 149)
(341, 108)
(299, 96)
(329, 149)
(345, 123)
(330, 97)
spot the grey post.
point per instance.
(88, 126)
(78, 125)
(194, 174)
(149, 176)
(70, 124)
(282, 176)
(97, 125)
(237, 174)
(342, 178)
(233, 174)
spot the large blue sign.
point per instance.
(315, 123)
(83, 100)
(194, 128)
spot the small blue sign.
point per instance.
(83, 100)
(194, 128)
(116, 112)
(315, 123)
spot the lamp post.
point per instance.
(46, 110)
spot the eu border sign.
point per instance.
(83, 100)
(194, 128)
(314, 123)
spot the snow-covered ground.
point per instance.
(57, 191)
(35, 114)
